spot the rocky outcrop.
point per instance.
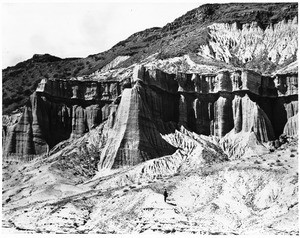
(80, 90)
(155, 78)
(20, 137)
(57, 111)
(291, 127)
(223, 121)
(135, 136)
(279, 110)
(154, 103)
(238, 80)
(249, 117)
(241, 44)
(286, 84)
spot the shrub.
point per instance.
(97, 58)
(27, 92)
(76, 71)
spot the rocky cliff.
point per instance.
(153, 103)
(241, 77)
(59, 110)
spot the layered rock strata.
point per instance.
(134, 137)
(152, 104)
(57, 111)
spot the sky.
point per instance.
(68, 29)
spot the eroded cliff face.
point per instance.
(220, 96)
(291, 127)
(241, 44)
(193, 107)
(214, 104)
(134, 137)
(151, 104)
(57, 111)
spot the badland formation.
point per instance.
(206, 107)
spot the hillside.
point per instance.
(255, 195)
(183, 36)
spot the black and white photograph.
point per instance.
(150, 118)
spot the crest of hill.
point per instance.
(182, 36)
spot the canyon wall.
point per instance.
(243, 100)
(154, 103)
(59, 110)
